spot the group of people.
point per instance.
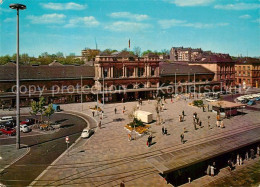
(164, 131)
(196, 121)
(211, 169)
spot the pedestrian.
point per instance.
(183, 113)
(163, 130)
(258, 150)
(252, 153)
(246, 156)
(208, 108)
(93, 113)
(99, 124)
(195, 127)
(180, 118)
(122, 100)
(229, 165)
(115, 110)
(122, 184)
(208, 170)
(182, 138)
(123, 109)
(171, 100)
(3, 106)
(240, 161)
(222, 124)
(129, 137)
(212, 171)
(197, 120)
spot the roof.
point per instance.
(248, 60)
(214, 57)
(46, 72)
(226, 104)
(178, 68)
(151, 55)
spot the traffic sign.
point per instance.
(67, 139)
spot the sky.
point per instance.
(223, 26)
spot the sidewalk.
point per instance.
(9, 155)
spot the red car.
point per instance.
(28, 121)
(8, 131)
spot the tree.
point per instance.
(59, 55)
(4, 59)
(35, 108)
(137, 51)
(41, 106)
(25, 58)
(146, 52)
(49, 111)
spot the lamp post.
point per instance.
(17, 7)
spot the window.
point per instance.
(140, 72)
(105, 72)
(244, 68)
(152, 71)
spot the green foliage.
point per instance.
(136, 123)
(198, 103)
(38, 107)
(49, 111)
(4, 59)
(35, 108)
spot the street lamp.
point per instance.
(17, 7)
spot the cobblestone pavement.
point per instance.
(108, 157)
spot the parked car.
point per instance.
(251, 102)
(257, 99)
(10, 124)
(28, 121)
(86, 133)
(24, 128)
(244, 101)
(8, 131)
(6, 118)
(56, 107)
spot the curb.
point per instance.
(65, 152)
(28, 150)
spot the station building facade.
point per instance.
(114, 77)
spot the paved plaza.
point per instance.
(108, 158)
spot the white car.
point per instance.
(6, 118)
(24, 128)
(86, 133)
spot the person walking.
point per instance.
(195, 126)
(208, 108)
(129, 137)
(238, 160)
(182, 138)
(246, 156)
(99, 124)
(93, 113)
(123, 109)
(208, 170)
(163, 130)
(180, 118)
(183, 113)
(212, 171)
(115, 110)
(222, 124)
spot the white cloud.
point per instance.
(8, 20)
(165, 24)
(64, 6)
(257, 21)
(82, 22)
(238, 6)
(128, 15)
(125, 26)
(191, 2)
(47, 18)
(4, 10)
(246, 16)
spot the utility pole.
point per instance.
(81, 94)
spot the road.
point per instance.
(44, 149)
